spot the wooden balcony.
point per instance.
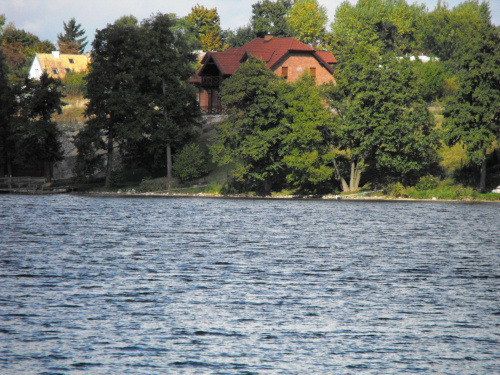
(213, 110)
(211, 81)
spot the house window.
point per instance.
(71, 61)
(312, 71)
(55, 71)
(284, 72)
(68, 70)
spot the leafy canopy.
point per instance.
(251, 136)
(307, 20)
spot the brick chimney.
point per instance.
(268, 38)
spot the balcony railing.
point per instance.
(215, 110)
(211, 81)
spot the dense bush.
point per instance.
(74, 83)
(427, 183)
(190, 163)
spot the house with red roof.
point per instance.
(287, 57)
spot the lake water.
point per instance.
(219, 286)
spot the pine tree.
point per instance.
(73, 40)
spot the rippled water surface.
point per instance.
(212, 286)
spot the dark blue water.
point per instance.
(209, 286)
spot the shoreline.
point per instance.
(381, 198)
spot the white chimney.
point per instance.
(55, 54)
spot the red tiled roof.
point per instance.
(327, 56)
(271, 50)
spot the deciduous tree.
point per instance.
(251, 135)
(307, 20)
(472, 115)
(381, 118)
(37, 137)
(387, 26)
(270, 17)
(306, 150)
(139, 97)
(205, 23)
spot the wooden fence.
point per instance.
(21, 184)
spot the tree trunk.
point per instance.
(355, 176)
(169, 145)
(482, 180)
(109, 158)
(345, 187)
(48, 170)
(9, 173)
(267, 186)
(169, 160)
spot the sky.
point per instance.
(45, 18)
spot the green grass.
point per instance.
(446, 190)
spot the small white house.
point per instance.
(57, 65)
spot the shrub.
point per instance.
(74, 83)
(426, 183)
(397, 190)
(190, 163)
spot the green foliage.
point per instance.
(252, 133)
(190, 163)
(37, 135)
(449, 33)
(19, 48)
(73, 40)
(427, 183)
(74, 83)
(382, 25)
(446, 189)
(270, 17)
(433, 76)
(7, 108)
(307, 20)
(306, 144)
(139, 98)
(472, 114)
(2, 22)
(205, 23)
(381, 117)
(240, 37)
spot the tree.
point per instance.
(73, 40)
(251, 135)
(6, 119)
(139, 97)
(206, 24)
(307, 21)
(2, 22)
(472, 115)
(19, 48)
(112, 93)
(37, 137)
(305, 148)
(269, 17)
(169, 101)
(433, 75)
(240, 37)
(381, 118)
(385, 25)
